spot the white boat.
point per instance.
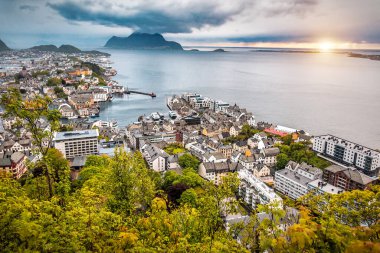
(172, 114)
(161, 115)
(155, 116)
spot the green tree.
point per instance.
(30, 113)
(282, 160)
(189, 161)
(54, 81)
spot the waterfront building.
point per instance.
(77, 143)
(348, 153)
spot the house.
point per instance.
(14, 164)
(66, 111)
(270, 155)
(348, 178)
(226, 150)
(261, 170)
(247, 161)
(83, 100)
(156, 158)
(216, 157)
(214, 172)
(240, 146)
(234, 130)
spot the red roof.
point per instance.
(275, 132)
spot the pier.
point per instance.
(151, 94)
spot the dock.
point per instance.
(151, 94)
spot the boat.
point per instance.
(161, 115)
(155, 116)
(114, 124)
(172, 114)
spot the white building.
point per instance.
(321, 187)
(293, 180)
(348, 153)
(156, 158)
(77, 143)
(254, 191)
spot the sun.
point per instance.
(326, 46)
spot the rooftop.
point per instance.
(349, 144)
(325, 187)
(72, 135)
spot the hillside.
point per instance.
(69, 49)
(143, 41)
(3, 46)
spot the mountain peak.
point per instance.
(139, 40)
(3, 46)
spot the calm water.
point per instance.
(320, 93)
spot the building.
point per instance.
(156, 158)
(347, 178)
(14, 164)
(270, 155)
(293, 180)
(254, 191)
(214, 172)
(348, 153)
(77, 143)
(321, 187)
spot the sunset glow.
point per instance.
(326, 46)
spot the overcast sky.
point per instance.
(89, 23)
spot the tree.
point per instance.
(189, 161)
(54, 81)
(30, 113)
(131, 187)
(282, 161)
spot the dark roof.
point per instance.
(352, 174)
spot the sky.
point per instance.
(262, 23)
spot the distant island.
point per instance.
(144, 41)
(3, 46)
(365, 56)
(311, 51)
(68, 49)
(220, 50)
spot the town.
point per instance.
(274, 163)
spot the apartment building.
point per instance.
(348, 153)
(156, 158)
(77, 143)
(254, 191)
(293, 180)
(347, 178)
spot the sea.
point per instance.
(321, 93)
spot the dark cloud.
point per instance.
(27, 7)
(148, 19)
(289, 7)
